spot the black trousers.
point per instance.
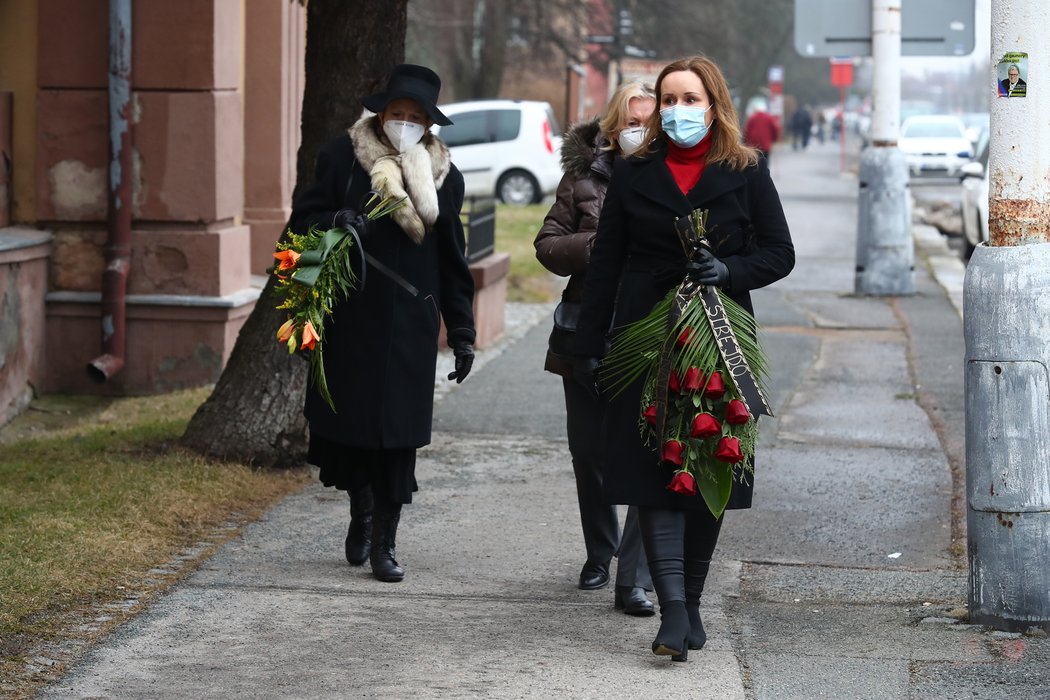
(601, 526)
(679, 544)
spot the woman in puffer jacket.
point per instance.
(563, 246)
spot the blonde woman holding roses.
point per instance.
(563, 247)
(693, 158)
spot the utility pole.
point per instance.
(885, 249)
(1006, 304)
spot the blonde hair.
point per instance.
(726, 143)
(619, 104)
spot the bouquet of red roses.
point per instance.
(314, 271)
(702, 364)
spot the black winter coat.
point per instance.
(380, 346)
(637, 252)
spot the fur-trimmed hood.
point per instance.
(583, 151)
(418, 173)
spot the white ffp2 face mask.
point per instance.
(403, 135)
(631, 139)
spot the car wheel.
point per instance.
(518, 187)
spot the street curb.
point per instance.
(947, 269)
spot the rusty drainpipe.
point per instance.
(118, 244)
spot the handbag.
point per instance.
(566, 315)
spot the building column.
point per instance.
(275, 40)
(189, 285)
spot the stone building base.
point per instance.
(490, 299)
(173, 342)
(23, 282)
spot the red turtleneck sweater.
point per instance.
(687, 164)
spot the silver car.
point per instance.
(935, 145)
(975, 199)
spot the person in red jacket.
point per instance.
(762, 131)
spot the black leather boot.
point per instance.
(594, 575)
(697, 634)
(384, 535)
(672, 640)
(695, 577)
(633, 601)
(359, 534)
(699, 546)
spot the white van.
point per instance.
(506, 148)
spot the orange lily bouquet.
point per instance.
(315, 271)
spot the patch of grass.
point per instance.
(516, 229)
(95, 495)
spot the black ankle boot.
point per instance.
(696, 571)
(359, 534)
(697, 635)
(384, 533)
(633, 601)
(671, 640)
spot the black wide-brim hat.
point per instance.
(418, 83)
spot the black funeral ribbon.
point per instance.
(735, 364)
(732, 356)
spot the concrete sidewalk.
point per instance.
(846, 579)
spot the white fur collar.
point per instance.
(417, 173)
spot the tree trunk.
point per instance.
(255, 412)
(495, 26)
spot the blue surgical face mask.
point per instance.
(685, 126)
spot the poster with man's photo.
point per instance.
(1012, 75)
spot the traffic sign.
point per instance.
(841, 72)
(829, 28)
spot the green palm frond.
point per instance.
(702, 349)
(635, 350)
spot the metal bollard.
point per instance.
(1007, 324)
(885, 248)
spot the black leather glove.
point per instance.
(346, 218)
(464, 353)
(585, 372)
(707, 270)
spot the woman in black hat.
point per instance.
(381, 344)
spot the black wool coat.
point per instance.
(380, 346)
(637, 259)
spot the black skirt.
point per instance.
(390, 473)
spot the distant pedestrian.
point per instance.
(801, 124)
(762, 130)
(821, 126)
(692, 158)
(380, 345)
(563, 246)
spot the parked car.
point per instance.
(935, 145)
(975, 199)
(504, 148)
(977, 124)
